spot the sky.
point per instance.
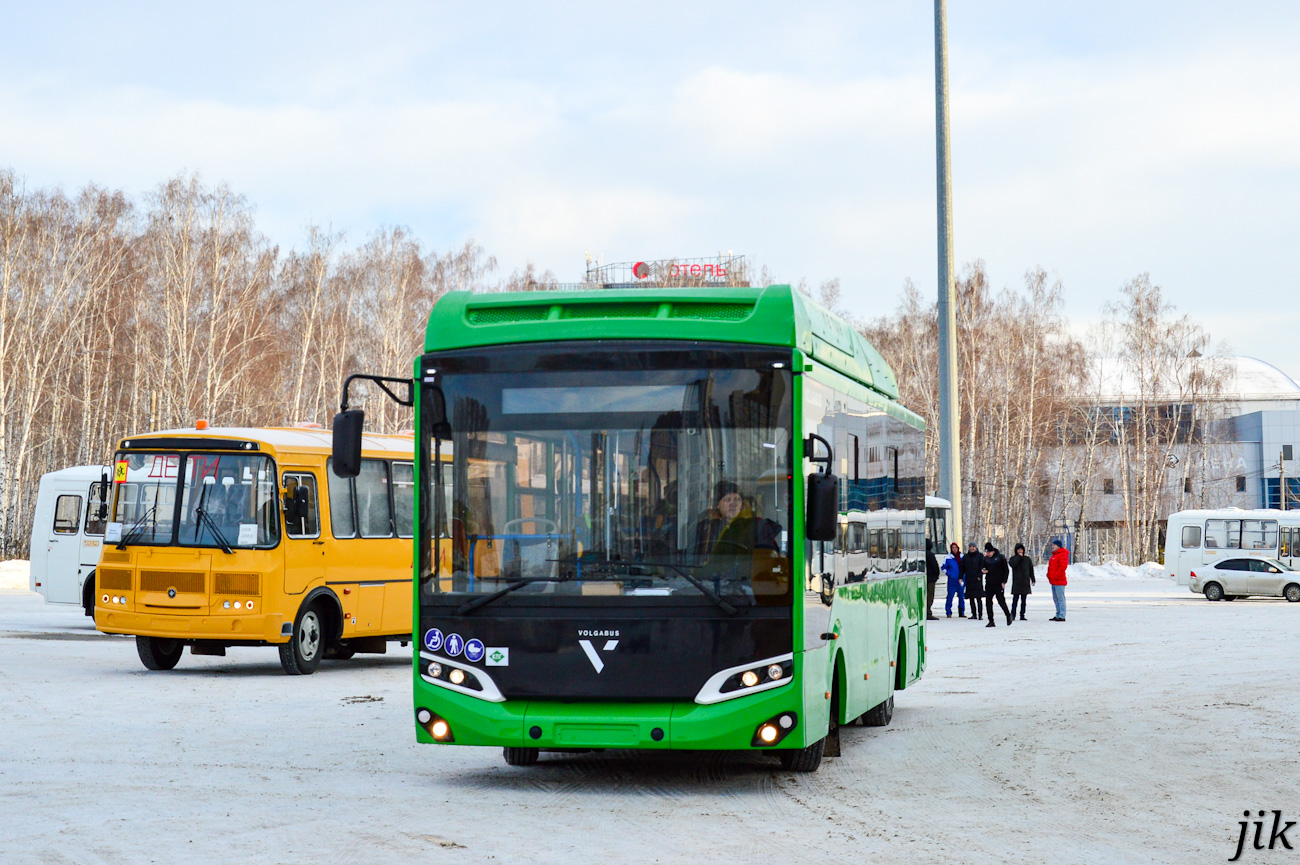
(1098, 140)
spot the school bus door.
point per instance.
(304, 548)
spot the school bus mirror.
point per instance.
(347, 442)
(822, 507)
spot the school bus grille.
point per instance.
(161, 581)
(237, 584)
(121, 557)
(114, 578)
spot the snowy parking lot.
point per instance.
(1137, 731)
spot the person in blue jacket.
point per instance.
(956, 586)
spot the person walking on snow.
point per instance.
(1022, 579)
(1056, 567)
(952, 569)
(995, 583)
(931, 577)
(972, 571)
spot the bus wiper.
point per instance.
(205, 518)
(471, 606)
(135, 527)
(695, 581)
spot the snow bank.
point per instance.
(14, 576)
(1115, 571)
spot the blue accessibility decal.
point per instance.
(433, 639)
(453, 644)
(474, 650)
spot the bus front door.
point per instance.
(304, 548)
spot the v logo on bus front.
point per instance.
(590, 650)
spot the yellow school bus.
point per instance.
(223, 537)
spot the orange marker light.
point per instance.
(200, 424)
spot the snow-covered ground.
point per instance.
(14, 576)
(1136, 732)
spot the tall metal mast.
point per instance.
(949, 435)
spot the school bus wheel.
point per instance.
(157, 653)
(302, 654)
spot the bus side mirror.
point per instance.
(822, 507)
(103, 497)
(347, 442)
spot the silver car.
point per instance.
(1239, 578)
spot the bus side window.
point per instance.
(305, 525)
(1216, 534)
(1284, 551)
(67, 515)
(374, 509)
(1191, 537)
(98, 500)
(404, 499)
(343, 522)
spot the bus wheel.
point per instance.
(1213, 592)
(1292, 593)
(157, 653)
(805, 759)
(301, 655)
(520, 756)
(881, 715)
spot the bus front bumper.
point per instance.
(264, 627)
(552, 725)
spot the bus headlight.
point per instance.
(749, 679)
(775, 672)
(456, 677)
(225, 605)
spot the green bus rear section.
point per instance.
(879, 623)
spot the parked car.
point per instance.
(1241, 577)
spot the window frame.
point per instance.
(299, 474)
(107, 500)
(76, 523)
(1196, 545)
(354, 504)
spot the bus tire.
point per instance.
(1213, 592)
(520, 756)
(881, 715)
(88, 595)
(301, 655)
(804, 759)
(1292, 593)
(157, 653)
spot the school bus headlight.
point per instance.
(115, 599)
(238, 605)
(456, 677)
(225, 605)
(749, 679)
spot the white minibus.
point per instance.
(1202, 538)
(67, 533)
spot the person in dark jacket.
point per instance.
(931, 577)
(995, 582)
(1022, 579)
(952, 570)
(972, 571)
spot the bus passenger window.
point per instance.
(67, 514)
(343, 522)
(306, 524)
(1259, 534)
(374, 510)
(1191, 537)
(404, 499)
(1285, 549)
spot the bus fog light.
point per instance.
(238, 605)
(424, 716)
(456, 676)
(439, 729)
(115, 599)
(774, 729)
(786, 721)
(226, 604)
(435, 669)
(767, 733)
(775, 672)
(749, 679)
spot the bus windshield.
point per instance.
(226, 500)
(616, 474)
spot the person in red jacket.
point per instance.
(1056, 576)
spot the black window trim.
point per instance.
(76, 524)
(352, 501)
(315, 502)
(90, 500)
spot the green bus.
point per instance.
(671, 518)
